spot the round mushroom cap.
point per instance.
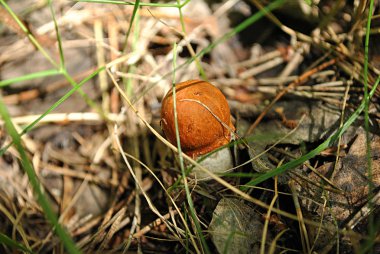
(203, 114)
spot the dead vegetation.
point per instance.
(293, 78)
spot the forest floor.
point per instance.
(85, 166)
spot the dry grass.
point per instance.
(113, 179)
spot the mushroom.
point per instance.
(204, 124)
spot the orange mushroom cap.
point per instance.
(201, 109)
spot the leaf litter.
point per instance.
(80, 167)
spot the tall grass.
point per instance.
(60, 69)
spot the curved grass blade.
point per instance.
(182, 165)
(30, 36)
(27, 166)
(327, 143)
(58, 35)
(371, 225)
(135, 8)
(35, 75)
(243, 25)
(54, 106)
(4, 239)
(60, 67)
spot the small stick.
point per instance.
(153, 224)
(65, 118)
(261, 59)
(296, 83)
(274, 81)
(261, 68)
(302, 227)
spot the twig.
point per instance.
(153, 224)
(64, 118)
(261, 68)
(302, 227)
(296, 83)
(268, 214)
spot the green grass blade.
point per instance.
(62, 99)
(327, 143)
(371, 229)
(4, 239)
(35, 75)
(132, 69)
(309, 2)
(183, 27)
(30, 36)
(135, 8)
(251, 20)
(367, 246)
(61, 56)
(246, 23)
(183, 4)
(27, 166)
(33, 40)
(182, 165)
(55, 105)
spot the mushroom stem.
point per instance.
(218, 162)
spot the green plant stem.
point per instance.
(135, 9)
(371, 230)
(54, 106)
(183, 27)
(29, 34)
(61, 55)
(35, 75)
(4, 239)
(27, 166)
(60, 68)
(243, 25)
(327, 143)
(182, 165)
